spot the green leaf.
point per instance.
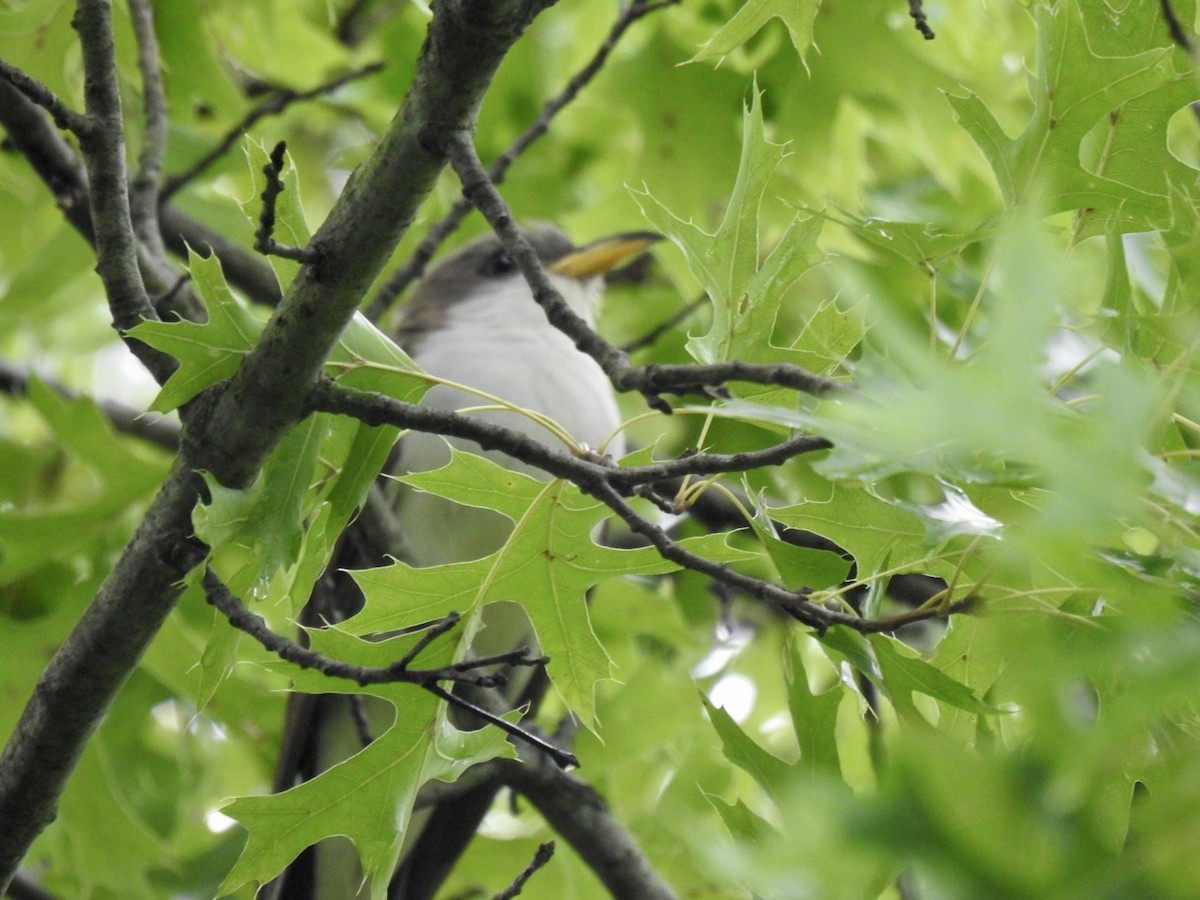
(742, 822)
(745, 292)
(796, 15)
(1103, 90)
(814, 719)
(771, 772)
(867, 526)
(91, 509)
(266, 518)
(904, 674)
(547, 564)
(368, 797)
(800, 567)
(208, 353)
(364, 358)
(852, 646)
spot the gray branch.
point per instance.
(144, 196)
(580, 815)
(467, 40)
(85, 674)
(56, 163)
(103, 144)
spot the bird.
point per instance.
(472, 321)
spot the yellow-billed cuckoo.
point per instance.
(473, 321)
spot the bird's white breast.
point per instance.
(502, 343)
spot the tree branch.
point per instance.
(651, 337)
(415, 266)
(274, 104)
(543, 855)
(650, 381)
(60, 169)
(56, 163)
(230, 430)
(466, 672)
(577, 812)
(264, 240)
(86, 672)
(1175, 27)
(609, 483)
(467, 39)
(916, 11)
(64, 117)
(103, 144)
(144, 196)
(379, 409)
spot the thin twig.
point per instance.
(608, 483)
(64, 117)
(1178, 35)
(796, 603)
(144, 188)
(650, 381)
(220, 597)
(358, 715)
(917, 11)
(58, 165)
(519, 656)
(415, 266)
(273, 104)
(541, 856)
(562, 758)
(379, 409)
(354, 23)
(434, 632)
(254, 625)
(579, 814)
(651, 337)
(264, 242)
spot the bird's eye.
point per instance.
(499, 263)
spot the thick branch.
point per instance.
(85, 674)
(415, 266)
(467, 39)
(577, 812)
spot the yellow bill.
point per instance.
(603, 255)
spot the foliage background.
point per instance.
(997, 241)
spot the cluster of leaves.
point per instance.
(1017, 315)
